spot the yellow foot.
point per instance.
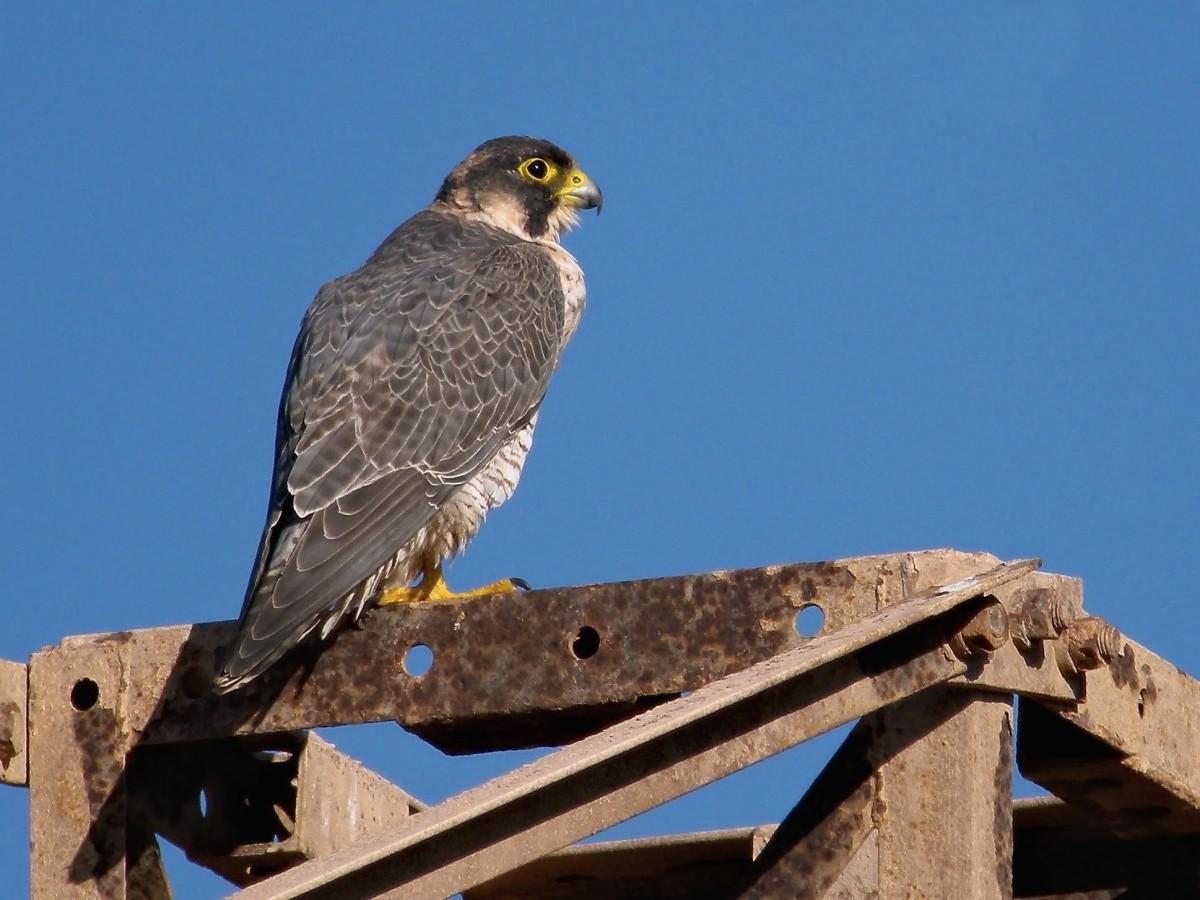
(433, 587)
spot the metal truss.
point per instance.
(652, 689)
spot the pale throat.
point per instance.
(508, 214)
(563, 219)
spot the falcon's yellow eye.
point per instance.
(536, 170)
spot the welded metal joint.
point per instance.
(984, 633)
(1090, 643)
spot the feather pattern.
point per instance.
(408, 408)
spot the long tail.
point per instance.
(265, 631)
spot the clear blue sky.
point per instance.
(868, 278)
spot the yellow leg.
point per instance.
(433, 587)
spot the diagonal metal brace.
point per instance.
(658, 755)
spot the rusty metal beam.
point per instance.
(1149, 710)
(1113, 726)
(828, 846)
(1128, 751)
(77, 745)
(658, 755)
(94, 699)
(245, 808)
(93, 818)
(846, 590)
(675, 867)
(248, 808)
(502, 675)
(1065, 850)
(948, 794)
(14, 699)
(340, 801)
(922, 781)
(1060, 851)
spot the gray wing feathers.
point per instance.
(407, 378)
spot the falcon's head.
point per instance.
(523, 185)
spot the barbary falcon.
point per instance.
(411, 397)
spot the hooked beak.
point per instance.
(581, 192)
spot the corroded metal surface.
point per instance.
(1090, 643)
(656, 637)
(635, 765)
(267, 802)
(145, 875)
(1061, 852)
(986, 633)
(1038, 609)
(340, 801)
(14, 761)
(77, 744)
(1064, 850)
(249, 808)
(492, 664)
(702, 866)
(922, 781)
(942, 763)
(1114, 729)
(946, 782)
(497, 674)
(1128, 751)
(1030, 672)
(826, 833)
(97, 698)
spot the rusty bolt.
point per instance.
(1092, 642)
(1062, 613)
(986, 632)
(1044, 615)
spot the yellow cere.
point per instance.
(573, 179)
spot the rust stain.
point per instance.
(492, 669)
(98, 734)
(1002, 792)
(10, 726)
(1124, 669)
(1148, 694)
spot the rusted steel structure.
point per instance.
(652, 689)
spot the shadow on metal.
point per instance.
(655, 688)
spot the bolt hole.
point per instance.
(586, 643)
(1142, 704)
(418, 660)
(203, 804)
(84, 694)
(809, 621)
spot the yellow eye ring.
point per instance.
(536, 170)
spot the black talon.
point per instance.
(520, 584)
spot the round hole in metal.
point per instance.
(810, 620)
(418, 660)
(586, 643)
(85, 694)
